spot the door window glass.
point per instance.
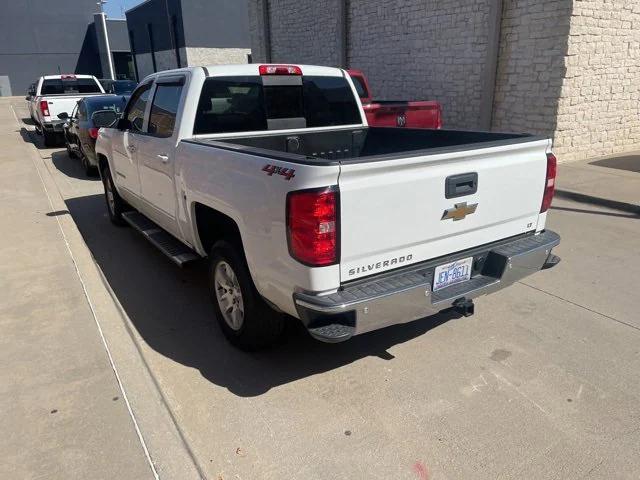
(82, 111)
(137, 107)
(164, 110)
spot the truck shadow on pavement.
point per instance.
(171, 309)
(71, 167)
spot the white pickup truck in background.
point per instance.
(272, 172)
(56, 94)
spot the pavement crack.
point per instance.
(622, 322)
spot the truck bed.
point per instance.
(363, 144)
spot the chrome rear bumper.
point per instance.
(406, 295)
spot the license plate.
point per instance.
(451, 273)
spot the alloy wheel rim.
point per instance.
(229, 295)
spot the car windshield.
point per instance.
(63, 86)
(123, 87)
(114, 103)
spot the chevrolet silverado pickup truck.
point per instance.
(55, 95)
(272, 172)
(396, 113)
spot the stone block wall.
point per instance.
(304, 31)
(599, 106)
(569, 69)
(531, 65)
(423, 50)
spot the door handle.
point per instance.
(164, 158)
(461, 185)
(131, 148)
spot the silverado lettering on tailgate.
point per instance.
(371, 267)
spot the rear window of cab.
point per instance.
(244, 104)
(64, 86)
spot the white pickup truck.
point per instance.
(272, 172)
(56, 94)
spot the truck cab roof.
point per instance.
(65, 76)
(250, 69)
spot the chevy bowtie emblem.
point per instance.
(459, 211)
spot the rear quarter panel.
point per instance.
(234, 184)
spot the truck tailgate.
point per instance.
(60, 104)
(413, 114)
(394, 212)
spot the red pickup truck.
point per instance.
(396, 113)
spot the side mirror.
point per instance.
(123, 124)
(104, 118)
(63, 116)
(28, 97)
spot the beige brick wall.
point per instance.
(424, 50)
(216, 56)
(531, 65)
(569, 69)
(599, 106)
(304, 31)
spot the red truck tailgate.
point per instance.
(418, 114)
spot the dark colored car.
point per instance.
(118, 87)
(81, 129)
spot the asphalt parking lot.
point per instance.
(541, 383)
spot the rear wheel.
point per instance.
(89, 169)
(115, 205)
(50, 138)
(70, 152)
(244, 317)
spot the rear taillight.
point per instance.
(44, 108)
(312, 226)
(550, 185)
(93, 132)
(279, 70)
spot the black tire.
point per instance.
(89, 170)
(70, 152)
(50, 138)
(116, 206)
(261, 326)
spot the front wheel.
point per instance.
(244, 317)
(115, 205)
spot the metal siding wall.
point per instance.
(217, 23)
(36, 39)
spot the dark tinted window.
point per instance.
(114, 103)
(235, 104)
(231, 104)
(329, 101)
(164, 110)
(82, 111)
(360, 88)
(58, 86)
(123, 87)
(283, 101)
(137, 106)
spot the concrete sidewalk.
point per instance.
(612, 181)
(63, 414)
(65, 411)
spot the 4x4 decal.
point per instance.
(287, 173)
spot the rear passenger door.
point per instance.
(157, 152)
